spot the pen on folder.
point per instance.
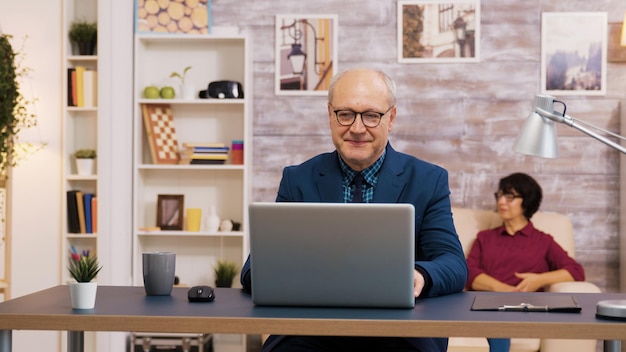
(524, 307)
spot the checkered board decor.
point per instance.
(159, 122)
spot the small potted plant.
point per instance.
(225, 272)
(188, 90)
(83, 268)
(84, 36)
(85, 161)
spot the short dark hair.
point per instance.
(527, 188)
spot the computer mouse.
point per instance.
(201, 294)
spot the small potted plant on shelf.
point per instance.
(83, 268)
(85, 161)
(225, 272)
(188, 90)
(83, 36)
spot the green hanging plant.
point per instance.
(14, 114)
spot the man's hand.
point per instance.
(418, 283)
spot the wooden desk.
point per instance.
(129, 309)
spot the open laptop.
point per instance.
(332, 254)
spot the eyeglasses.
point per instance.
(509, 197)
(369, 118)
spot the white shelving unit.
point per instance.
(80, 131)
(226, 187)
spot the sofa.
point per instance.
(468, 222)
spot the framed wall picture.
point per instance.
(434, 31)
(170, 211)
(172, 16)
(306, 54)
(573, 53)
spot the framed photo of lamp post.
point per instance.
(306, 54)
(431, 31)
(573, 53)
(170, 211)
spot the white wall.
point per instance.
(35, 184)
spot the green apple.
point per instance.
(151, 92)
(168, 92)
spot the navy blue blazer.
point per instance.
(402, 179)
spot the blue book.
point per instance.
(87, 204)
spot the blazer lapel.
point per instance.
(329, 180)
(391, 180)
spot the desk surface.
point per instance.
(129, 309)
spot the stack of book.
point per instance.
(82, 87)
(82, 212)
(204, 153)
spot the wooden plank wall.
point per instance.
(462, 116)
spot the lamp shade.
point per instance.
(538, 135)
(296, 57)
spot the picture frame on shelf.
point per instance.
(430, 31)
(170, 211)
(306, 54)
(173, 17)
(573, 64)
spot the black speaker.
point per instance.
(223, 90)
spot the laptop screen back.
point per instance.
(332, 254)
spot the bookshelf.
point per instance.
(79, 131)
(223, 186)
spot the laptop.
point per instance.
(332, 254)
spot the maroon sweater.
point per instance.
(500, 255)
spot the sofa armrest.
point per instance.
(574, 286)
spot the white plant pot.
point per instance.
(85, 167)
(189, 91)
(83, 294)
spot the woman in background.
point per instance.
(516, 257)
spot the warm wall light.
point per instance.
(623, 42)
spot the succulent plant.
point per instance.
(83, 31)
(85, 154)
(83, 267)
(225, 272)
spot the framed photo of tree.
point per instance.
(431, 31)
(573, 53)
(170, 211)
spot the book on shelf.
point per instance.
(94, 214)
(204, 159)
(71, 86)
(90, 88)
(72, 213)
(87, 198)
(80, 97)
(207, 150)
(203, 145)
(204, 162)
(81, 211)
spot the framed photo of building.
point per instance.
(170, 211)
(306, 54)
(573, 53)
(431, 31)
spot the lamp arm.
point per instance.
(570, 121)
